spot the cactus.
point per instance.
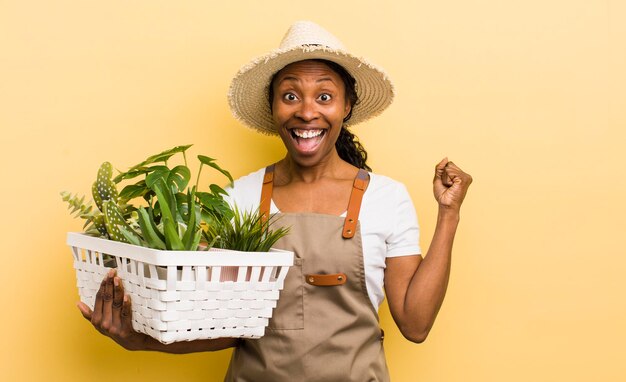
(103, 188)
(106, 219)
(113, 219)
(100, 225)
(177, 216)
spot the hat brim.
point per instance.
(249, 89)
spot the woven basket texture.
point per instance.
(225, 294)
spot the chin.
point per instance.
(311, 160)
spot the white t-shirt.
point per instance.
(389, 225)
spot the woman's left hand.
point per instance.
(450, 185)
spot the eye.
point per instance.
(325, 97)
(290, 97)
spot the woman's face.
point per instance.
(308, 107)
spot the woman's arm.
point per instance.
(415, 288)
(112, 317)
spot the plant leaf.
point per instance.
(132, 173)
(104, 188)
(158, 173)
(209, 200)
(160, 157)
(98, 223)
(131, 236)
(192, 226)
(244, 232)
(150, 234)
(215, 205)
(134, 190)
(182, 206)
(211, 163)
(179, 176)
(217, 190)
(168, 212)
(113, 220)
(165, 155)
(165, 200)
(196, 241)
(155, 224)
(172, 240)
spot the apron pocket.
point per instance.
(289, 312)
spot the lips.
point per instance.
(307, 140)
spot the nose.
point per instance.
(307, 110)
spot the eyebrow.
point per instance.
(291, 78)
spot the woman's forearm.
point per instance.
(427, 288)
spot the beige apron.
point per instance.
(324, 327)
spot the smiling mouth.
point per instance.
(307, 140)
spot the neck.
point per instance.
(293, 171)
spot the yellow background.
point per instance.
(527, 96)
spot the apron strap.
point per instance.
(354, 205)
(266, 193)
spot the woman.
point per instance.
(352, 231)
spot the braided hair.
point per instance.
(348, 146)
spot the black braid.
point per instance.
(348, 146)
(351, 150)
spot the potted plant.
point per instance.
(194, 266)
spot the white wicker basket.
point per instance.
(186, 295)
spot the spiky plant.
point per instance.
(94, 220)
(174, 216)
(244, 232)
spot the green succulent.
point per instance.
(174, 216)
(244, 232)
(94, 219)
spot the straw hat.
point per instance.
(248, 93)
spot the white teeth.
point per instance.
(307, 133)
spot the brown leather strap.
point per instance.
(266, 193)
(354, 206)
(326, 280)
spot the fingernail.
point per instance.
(125, 298)
(116, 281)
(111, 273)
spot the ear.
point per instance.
(347, 109)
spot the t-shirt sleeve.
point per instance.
(230, 195)
(404, 239)
(245, 192)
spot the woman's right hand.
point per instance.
(112, 315)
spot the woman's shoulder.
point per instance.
(385, 194)
(253, 178)
(384, 185)
(245, 191)
(388, 212)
